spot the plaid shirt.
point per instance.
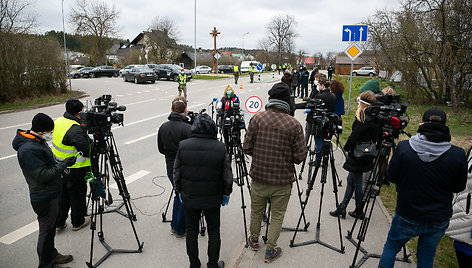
(275, 140)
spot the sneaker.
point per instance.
(86, 222)
(271, 255)
(253, 243)
(61, 227)
(61, 259)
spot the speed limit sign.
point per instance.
(253, 104)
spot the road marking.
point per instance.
(20, 233)
(132, 178)
(19, 125)
(141, 138)
(119, 95)
(6, 157)
(129, 94)
(139, 102)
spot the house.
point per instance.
(343, 63)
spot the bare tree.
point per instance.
(281, 34)
(165, 25)
(97, 19)
(15, 18)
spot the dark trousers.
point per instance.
(293, 90)
(178, 214)
(304, 90)
(354, 185)
(47, 213)
(463, 259)
(73, 197)
(212, 218)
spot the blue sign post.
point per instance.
(354, 33)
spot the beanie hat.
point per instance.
(42, 122)
(74, 106)
(434, 115)
(280, 91)
(372, 85)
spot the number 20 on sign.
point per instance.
(253, 104)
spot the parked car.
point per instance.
(83, 72)
(127, 68)
(370, 71)
(140, 75)
(151, 66)
(202, 70)
(171, 71)
(225, 68)
(104, 71)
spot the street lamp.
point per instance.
(65, 48)
(242, 44)
(195, 36)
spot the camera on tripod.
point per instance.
(192, 115)
(390, 116)
(102, 115)
(234, 118)
(328, 123)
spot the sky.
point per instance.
(319, 23)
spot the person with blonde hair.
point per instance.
(224, 108)
(364, 129)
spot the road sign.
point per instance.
(146, 50)
(353, 51)
(217, 56)
(253, 104)
(259, 67)
(273, 66)
(353, 33)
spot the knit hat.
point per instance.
(434, 115)
(42, 122)
(372, 85)
(280, 91)
(74, 106)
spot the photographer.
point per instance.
(225, 109)
(426, 170)
(364, 129)
(170, 134)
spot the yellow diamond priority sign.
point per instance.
(353, 51)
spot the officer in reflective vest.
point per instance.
(236, 73)
(251, 72)
(69, 139)
(183, 83)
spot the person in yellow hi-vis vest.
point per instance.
(183, 83)
(236, 73)
(69, 139)
(251, 72)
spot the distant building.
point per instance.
(343, 63)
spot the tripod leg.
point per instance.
(267, 221)
(167, 206)
(335, 191)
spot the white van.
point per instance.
(245, 66)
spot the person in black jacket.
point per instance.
(204, 180)
(312, 77)
(43, 175)
(304, 75)
(426, 170)
(364, 129)
(170, 134)
(295, 82)
(287, 78)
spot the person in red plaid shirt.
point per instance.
(276, 142)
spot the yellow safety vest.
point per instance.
(182, 79)
(61, 151)
(236, 68)
(251, 69)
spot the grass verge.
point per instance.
(212, 76)
(459, 125)
(38, 102)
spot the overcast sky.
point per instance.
(319, 23)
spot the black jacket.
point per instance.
(425, 188)
(287, 79)
(361, 132)
(312, 76)
(37, 162)
(77, 137)
(169, 136)
(202, 169)
(295, 79)
(328, 98)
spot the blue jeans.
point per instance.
(178, 213)
(354, 184)
(402, 230)
(318, 147)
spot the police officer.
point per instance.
(236, 73)
(69, 139)
(183, 83)
(251, 72)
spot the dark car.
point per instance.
(225, 68)
(83, 72)
(171, 71)
(140, 75)
(104, 71)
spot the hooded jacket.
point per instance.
(202, 168)
(425, 184)
(41, 171)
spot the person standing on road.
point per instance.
(70, 139)
(304, 82)
(43, 175)
(236, 73)
(426, 170)
(224, 109)
(275, 141)
(330, 72)
(312, 77)
(287, 78)
(204, 180)
(183, 83)
(170, 134)
(251, 72)
(294, 84)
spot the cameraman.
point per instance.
(225, 108)
(364, 129)
(168, 138)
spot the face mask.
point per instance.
(47, 136)
(228, 92)
(316, 82)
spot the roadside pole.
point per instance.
(350, 87)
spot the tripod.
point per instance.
(106, 156)
(326, 155)
(376, 179)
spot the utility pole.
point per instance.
(214, 33)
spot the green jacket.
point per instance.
(372, 85)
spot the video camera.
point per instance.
(390, 116)
(102, 115)
(234, 119)
(328, 123)
(192, 115)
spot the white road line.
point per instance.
(139, 102)
(131, 178)
(19, 125)
(139, 139)
(129, 94)
(119, 95)
(6, 157)
(20, 233)
(139, 92)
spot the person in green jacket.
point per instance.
(372, 85)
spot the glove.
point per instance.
(225, 200)
(307, 111)
(70, 161)
(180, 198)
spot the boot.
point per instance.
(339, 212)
(358, 214)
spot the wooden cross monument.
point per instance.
(214, 33)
